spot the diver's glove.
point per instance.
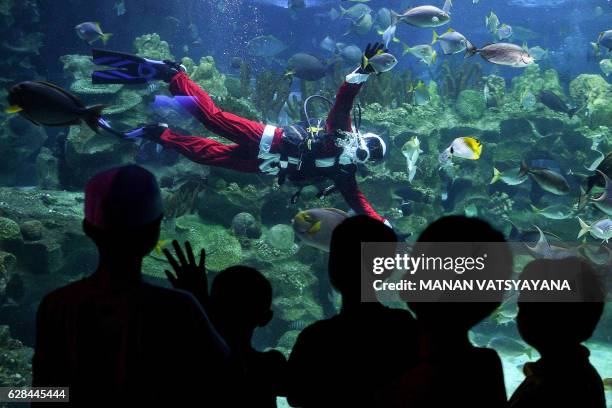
(371, 51)
(167, 70)
(365, 69)
(151, 133)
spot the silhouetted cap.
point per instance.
(122, 198)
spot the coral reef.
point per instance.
(470, 105)
(152, 46)
(595, 94)
(222, 248)
(207, 76)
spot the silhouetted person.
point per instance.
(241, 301)
(343, 361)
(110, 337)
(556, 324)
(452, 372)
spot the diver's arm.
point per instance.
(347, 185)
(339, 117)
(210, 152)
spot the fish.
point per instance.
(160, 245)
(411, 151)
(349, 53)
(604, 200)
(508, 179)
(361, 26)
(549, 180)
(46, 104)
(553, 102)
(509, 347)
(543, 248)
(421, 16)
(382, 62)
(554, 212)
(505, 314)
(91, 32)
(307, 67)
(599, 230)
(507, 54)
(420, 93)
(492, 23)
(424, 52)
(528, 100)
(463, 147)
(604, 167)
(315, 226)
(265, 46)
(520, 33)
(408, 193)
(355, 12)
(451, 42)
(236, 62)
(504, 32)
(538, 53)
(607, 384)
(119, 7)
(383, 18)
(328, 44)
(606, 66)
(605, 39)
(294, 5)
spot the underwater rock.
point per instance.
(153, 47)
(280, 236)
(42, 257)
(470, 104)
(15, 360)
(85, 87)
(276, 207)
(206, 75)
(47, 169)
(19, 140)
(10, 233)
(245, 225)
(227, 200)
(32, 230)
(87, 153)
(222, 248)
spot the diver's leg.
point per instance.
(227, 125)
(339, 117)
(210, 152)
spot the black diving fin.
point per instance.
(129, 68)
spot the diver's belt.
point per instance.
(275, 163)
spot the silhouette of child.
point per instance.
(450, 370)
(114, 339)
(556, 324)
(345, 360)
(240, 301)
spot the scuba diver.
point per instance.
(304, 154)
